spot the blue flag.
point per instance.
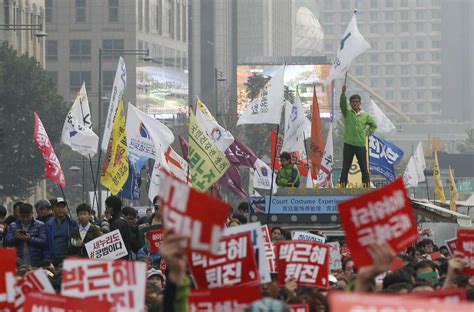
(131, 188)
(383, 155)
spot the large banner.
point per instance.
(269, 250)
(108, 246)
(34, 281)
(7, 279)
(465, 244)
(383, 156)
(39, 301)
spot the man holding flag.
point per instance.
(357, 126)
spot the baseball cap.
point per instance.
(152, 272)
(60, 200)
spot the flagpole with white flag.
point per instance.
(384, 124)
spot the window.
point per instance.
(107, 82)
(405, 107)
(389, 3)
(436, 27)
(420, 56)
(420, 94)
(436, 44)
(374, 45)
(184, 21)
(329, 47)
(420, 27)
(404, 3)
(404, 27)
(112, 44)
(404, 57)
(436, 94)
(435, 14)
(374, 83)
(389, 95)
(345, 16)
(52, 50)
(389, 27)
(389, 83)
(80, 11)
(359, 71)
(419, 3)
(405, 70)
(329, 29)
(77, 77)
(159, 18)
(140, 13)
(389, 16)
(374, 57)
(435, 69)
(420, 44)
(178, 23)
(420, 69)
(48, 10)
(389, 58)
(171, 4)
(389, 45)
(420, 15)
(404, 15)
(405, 83)
(374, 16)
(435, 82)
(374, 70)
(329, 4)
(373, 28)
(389, 70)
(53, 77)
(113, 11)
(420, 82)
(373, 4)
(79, 50)
(405, 94)
(420, 107)
(404, 44)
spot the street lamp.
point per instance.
(218, 77)
(14, 27)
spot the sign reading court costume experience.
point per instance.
(304, 204)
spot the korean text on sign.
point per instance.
(7, 278)
(155, 237)
(121, 283)
(108, 246)
(37, 301)
(34, 281)
(465, 244)
(306, 261)
(451, 244)
(269, 250)
(384, 215)
(195, 215)
(233, 265)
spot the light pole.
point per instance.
(109, 52)
(218, 77)
(14, 27)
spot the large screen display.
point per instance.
(303, 77)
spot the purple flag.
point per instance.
(184, 147)
(231, 180)
(240, 154)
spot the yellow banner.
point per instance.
(207, 163)
(437, 180)
(115, 168)
(453, 191)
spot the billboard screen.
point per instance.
(302, 77)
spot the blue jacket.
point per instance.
(37, 243)
(51, 229)
(155, 256)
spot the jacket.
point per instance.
(92, 233)
(36, 244)
(50, 230)
(288, 177)
(355, 124)
(118, 222)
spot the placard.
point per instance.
(155, 237)
(108, 246)
(34, 281)
(465, 244)
(450, 295)
(7, 278)
(451, 244)
(308, 237)
(269, 250)
(335, 262)
(36, 301)
(298, 307)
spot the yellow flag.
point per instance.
(207, 163)
(453, 191)
(115, 168)
(437, 180)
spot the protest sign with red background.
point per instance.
(223, 299)
(298, 307)
(155, 237)
(7, 278)
(465, 244)
(233, 265)
(269, 250)
(307, 261)
(52, 302)
(381, 216)
(300, 162)
(452, 295)
(194, 215)
(119, 282)
(350, 302)
(34, 281)
(451, 244)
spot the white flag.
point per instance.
(155, 179)
(309, 180)
(324, 178)
(77, 129)
(410, 176)
(295, 124)
(221, 137)
(144, 135)
(118, 90)
(262, 176)
(384, 125)
(177, 165)
(352, 45)
(267, 106)
(420, 163)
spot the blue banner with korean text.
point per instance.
(383, 155)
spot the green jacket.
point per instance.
(355, 125)
(288, 177)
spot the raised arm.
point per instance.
(343, 101)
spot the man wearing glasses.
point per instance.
(58, 232)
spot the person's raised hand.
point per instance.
(455, 266)
(291, 287)
(174, 253)
(382, 256)
(344, 89)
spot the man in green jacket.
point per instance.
(357, 126)
(288, 175)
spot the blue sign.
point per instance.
(131, 188)
(383, 155)
(297, 204)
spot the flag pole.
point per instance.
(273, 174)
(307, 160)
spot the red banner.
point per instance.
(307, 261)
(34, 281)
(301, 164)
(298, 307)
(193, 214)
(7, 279)
(381, 216)
(52, 167)
(451, 295)
(234, 265)
(269, 250)
(350, 302)
(465, 244)
(155, 237)
(52, 302)
(451, 244)
(223, 299)
(316, 150)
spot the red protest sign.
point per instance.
(451, 244)
(435, 255)
(298, 307)
(269, 250)
(465, 244)
(307, 261)
(34, 281)
(451, 295)
(52, 302)
(193, 214)
(233, 265)
(223, 299)
(7, 279)
(383, 215)
(397, 263)
(155, 237)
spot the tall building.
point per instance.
(79, 28)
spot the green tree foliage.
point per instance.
(468, 145)
(24, 89)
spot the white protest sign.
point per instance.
(108, 246)
(308, 237)
(258, 246)
(335, 262)
(34, 281)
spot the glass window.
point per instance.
(374, 70)
(359, 71)
(436, 82)
(420, 27)
(389, 70)
(405, 69)
(374, 82)
(113, 11)
(374, 16)
(420, 94)
(77, 77)
(112, 44)
(178, 22)
(436, 94)
(436, 27)
(420, 56)
(373, 3)
(420, 44)
(405, 94)
(389, 27)
(389, 3)
(436, 44)
(389, 16)
(389, 45)
(329, 29)
(420, 69)
(107, 82)
(374, 57)
(389, 82)
(404, 44)
(435, 69)
(419, 3)
(405, 107)
(404, 3)
(51, 50)
(346, 16)
(420, 15)
(435, 14)
(159, 17)
(80, 11)
(374, 45)
(420, 82)
(420, 107)
(184, 21)
(389, 95)
(171, 4)
(48, 10)
(405, 83)
(404, 57)
(389, 57)
(328, 4)
(404, 27)
(79, 50)
(404, 15)
(374, 28)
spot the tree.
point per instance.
(24, 89)
(468, 145)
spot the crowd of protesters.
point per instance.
(44, 235)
